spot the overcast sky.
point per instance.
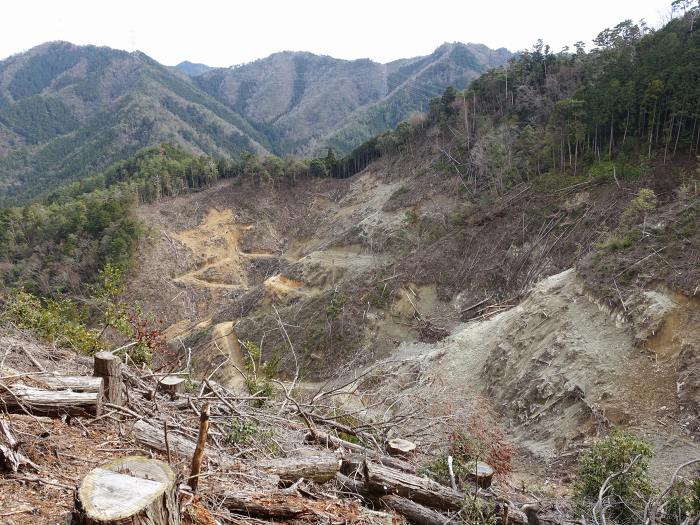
(227, 32)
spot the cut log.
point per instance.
(172, 385)
(353, 486)
(413, 512)
(315, 468)
(384, 480)
(52, 403)
(108, 367)
(154, 437)
(400, 447)
(133, 489)
(328, 440)
(10, 458)
(481, 474)
(74, 383)
(281, 506)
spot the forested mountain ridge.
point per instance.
(305, 103)
(68, 111)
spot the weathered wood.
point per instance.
(154, 437)
(10, 458)
(481, 474)
(329, 440)
(108, 367)
(172, 385)
(282, 506)
(411, 510)
(74, 383)
(134, 490)
(414, 512)
(198, 455)
(53, 403)
(400, 447)
(384, 480)
(315, 468)
(353, 485)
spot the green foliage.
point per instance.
(58, 321)
(259, 376)
(477, 511)
(242, 431)
(38, 118)
(628, 492)
(683, 502)
(336, 305)
(641, 204)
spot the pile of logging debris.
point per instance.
(245, 458)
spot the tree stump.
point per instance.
(400, 447)
(108, 367)
(172, 385)
(132, 490)
(481, 474)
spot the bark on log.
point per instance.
(414, 512)
(353, 486)
(383, 480)
(134, 490)
(316, 468)
(198, 455)
(411, 510)
(74, 383)
(326, 439)
(154, 437)
(280, 506)
(50, 402)
(108, 367)
(172, 385)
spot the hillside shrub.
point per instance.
(58, 321)
(628, 492)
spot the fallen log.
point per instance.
(315, 468)
(109, 367)
(383, 480)
(154, 437)
(353, 486)
(73, 383)
(281, 506)
(411, 510)
(132, 489)
(20, 398)
(327, 439)
(414, 512)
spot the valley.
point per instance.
(454, 288)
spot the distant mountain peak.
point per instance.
(192, 69)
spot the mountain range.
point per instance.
(67, 111)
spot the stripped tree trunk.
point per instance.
(20, 398)
(108, 367)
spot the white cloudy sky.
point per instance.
(226, 32)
